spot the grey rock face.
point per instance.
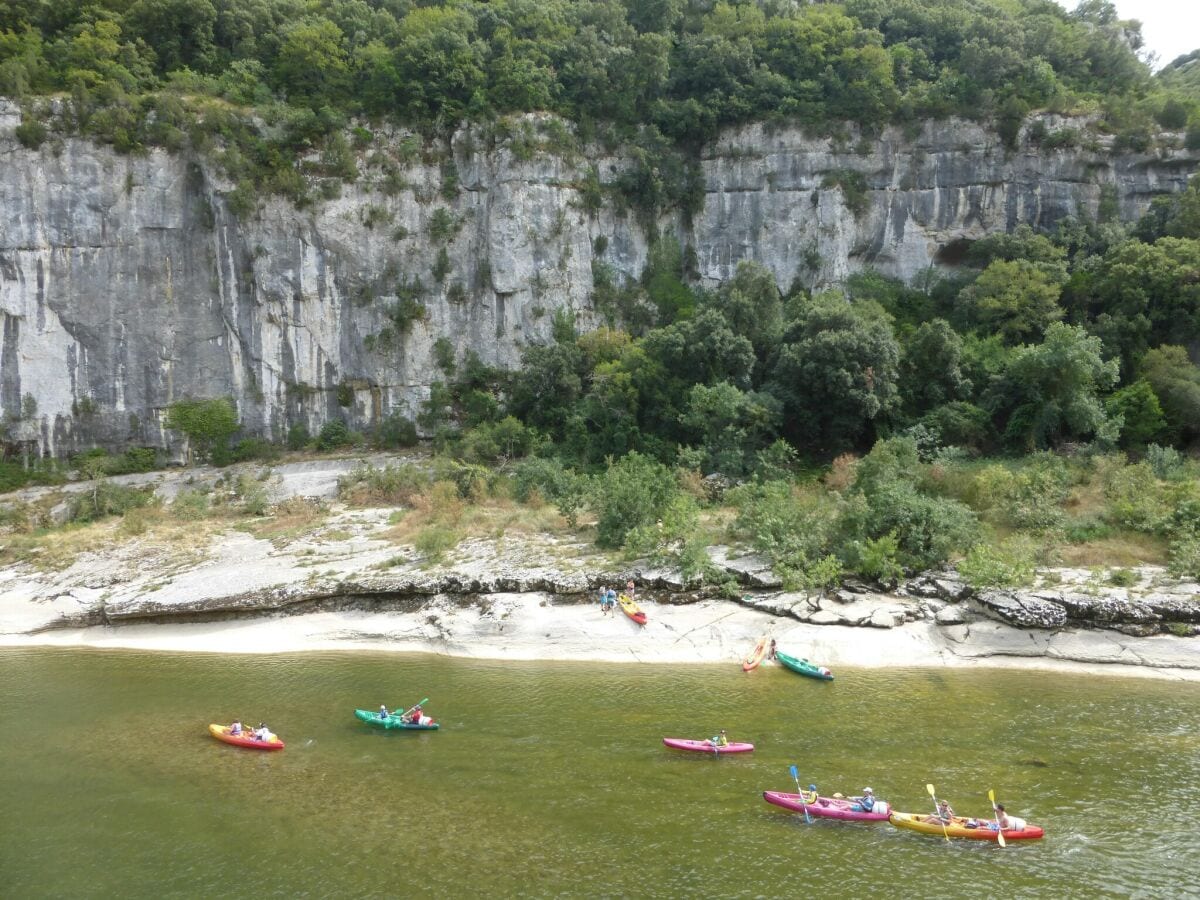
(1022, 610)
(128, 282)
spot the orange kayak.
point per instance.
(221, 733)
(756, 656)
(962, 827)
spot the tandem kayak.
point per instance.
(756, 656)
(393, 722)
(804, 667)
(830, 807)
(631, 609)
(221, 733)
(961, 827)
(706, 746)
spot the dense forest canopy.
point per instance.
(684, 67)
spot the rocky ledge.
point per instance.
(349, 561)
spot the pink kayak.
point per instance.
(830, 807)
(707, 747)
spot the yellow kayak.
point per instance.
(959, 827)
(631, 609)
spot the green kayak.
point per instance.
(393, 722)
(804, 667)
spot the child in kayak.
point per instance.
(383, 711)
(809, 796)
(720, 740)
(236, 728)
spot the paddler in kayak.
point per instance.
(809, 796)
(383, 711)
(944, 814)
(262, 732)
(720, 740)
(417, 717)
(1007, 822)
(867, 801)
(236, 728)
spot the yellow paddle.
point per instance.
(937, 812)
(999, 830)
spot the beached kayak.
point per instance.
(830, 807)
(961, 827)
(804, 667)
(756, 656)
(393, 722)
(706, 746)
(221, 733)
(631, 609)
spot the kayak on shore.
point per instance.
(630, 608)
(394, 722)
(804, 667)
(964, 827)
(756, 655)
(246, 739)
(830, 807)
(706, 746)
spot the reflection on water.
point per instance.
(550, 778)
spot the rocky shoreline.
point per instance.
(344, 583)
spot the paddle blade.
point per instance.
(992, 797)
(932, 792)
(1000, 839)
(794, 772)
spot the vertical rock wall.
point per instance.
(127, 282)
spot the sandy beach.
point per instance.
(530, 626)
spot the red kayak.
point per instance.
(829, 807)
(706, 746)
(221, 733)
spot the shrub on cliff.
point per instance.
(207, 424)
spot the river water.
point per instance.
(550, 779)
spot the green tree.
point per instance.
(1136, 406)
(752, 305)
(1017, 300)
(931, 372)
(730, 425)
(836, 372)
(631, 492)
(312, 64)
(180, 31)
(885, 500)
(545, 389)
(1054, 389)
(1176, 383)
(1140, 295)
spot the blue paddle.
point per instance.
(796, 775)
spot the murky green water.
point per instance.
(550, 779)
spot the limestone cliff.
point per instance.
(127, 282)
